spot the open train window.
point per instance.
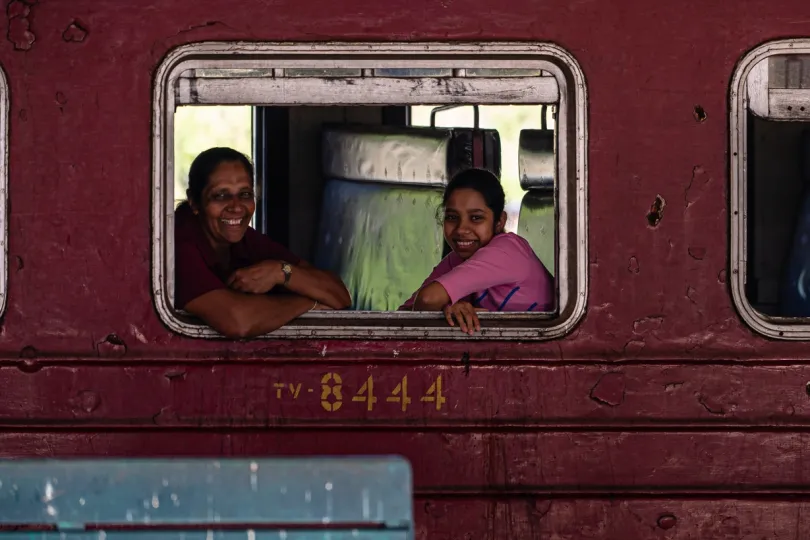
(341, 131)
(770, 188)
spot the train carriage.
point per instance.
(653, 155)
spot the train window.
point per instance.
(348, 137)
(770, 188)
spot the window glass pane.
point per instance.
(229, 73)
(789, 71)
(199, 127)
(507, 72)
(508, 120)
(327, 73)
(413, 72)
(778, 231)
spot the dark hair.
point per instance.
(482, 181)
(204, 165)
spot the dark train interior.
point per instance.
(357, 189)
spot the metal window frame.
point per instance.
(571, 97)
(746, 92)
(4, 210)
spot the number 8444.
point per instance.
(332, 393)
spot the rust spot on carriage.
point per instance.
(29, 363)
(698, 182)
(19, 25)
(17, 8)
(86, 401)
(697, 253)
(656, 213)
(74, 33)
(111, 346)
(634, 347)
(667, 521)
(465, 361)
(645, 325)
(166, 415)
(710, 404)
(173, 374)
(609, 389)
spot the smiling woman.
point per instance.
(488, 269)
(236, 279)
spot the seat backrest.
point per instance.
(379, 226)
(538, 217)
(337, 498)
(473, 147)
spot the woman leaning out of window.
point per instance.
(488, 269)
(237, 280)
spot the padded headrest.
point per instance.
(383, 154)
(536, 161)
(463, 150)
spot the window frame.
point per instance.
(571, 97)
(4, 211)
(747, 94)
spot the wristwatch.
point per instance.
(287, 269)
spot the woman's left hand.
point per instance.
(258, 278)
(465, 314)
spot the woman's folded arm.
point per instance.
(320, 285)
(238, 315)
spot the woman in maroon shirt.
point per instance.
(224, 268)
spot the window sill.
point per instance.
(401, 325)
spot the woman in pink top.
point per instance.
(488, 269)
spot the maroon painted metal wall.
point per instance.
(661, 416)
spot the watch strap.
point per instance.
(285, 267)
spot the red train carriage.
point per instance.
(652, 154)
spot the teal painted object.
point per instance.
(155, 534)
(365, 498)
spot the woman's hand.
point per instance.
(465, 314)
(258, 278)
